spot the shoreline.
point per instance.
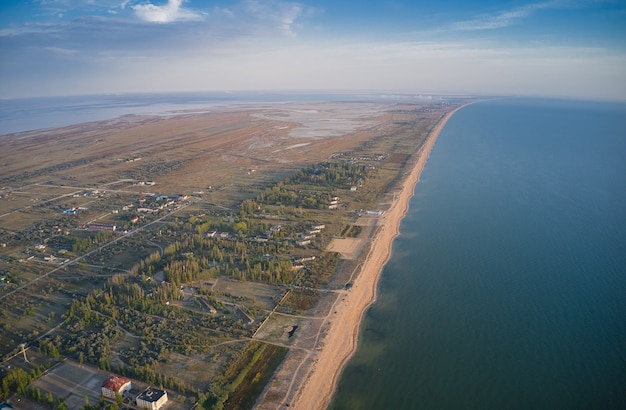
(319, 386)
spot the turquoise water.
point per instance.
(506, 288)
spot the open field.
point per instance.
(162, 246)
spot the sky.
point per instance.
(556, 48)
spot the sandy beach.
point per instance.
(340, 342)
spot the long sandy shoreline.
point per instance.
(340, 343)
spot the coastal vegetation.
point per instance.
(214, 282)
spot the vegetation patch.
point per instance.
(244, 380)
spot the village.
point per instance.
(189, 269)
(279, 250)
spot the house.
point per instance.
(151, 398)
(303, 242)
(115, 385)
(102, 227)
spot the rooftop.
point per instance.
(114, 383)
(151, 394)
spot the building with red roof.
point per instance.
(115, 385)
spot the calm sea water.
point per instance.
(506, 288)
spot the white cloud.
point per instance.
(502, 19)
(281, 14)
(170, 12)
(60, 50)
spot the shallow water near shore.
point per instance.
(506, 287)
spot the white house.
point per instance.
(151, 398)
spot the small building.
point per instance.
(275, 229)
(303, 242)
(115, 385)
(151, 398)
(101, 227)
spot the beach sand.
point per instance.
(316, 389)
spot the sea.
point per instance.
(506, 288)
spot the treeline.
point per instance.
(238, 223)
(85, 244)
(17, 381)
(336, 174)
(244, 379)
(327, 175)
(198, 257)
(290, 196)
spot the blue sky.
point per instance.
(564, 48)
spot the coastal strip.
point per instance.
(340, 343)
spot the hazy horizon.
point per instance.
(555, 48)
